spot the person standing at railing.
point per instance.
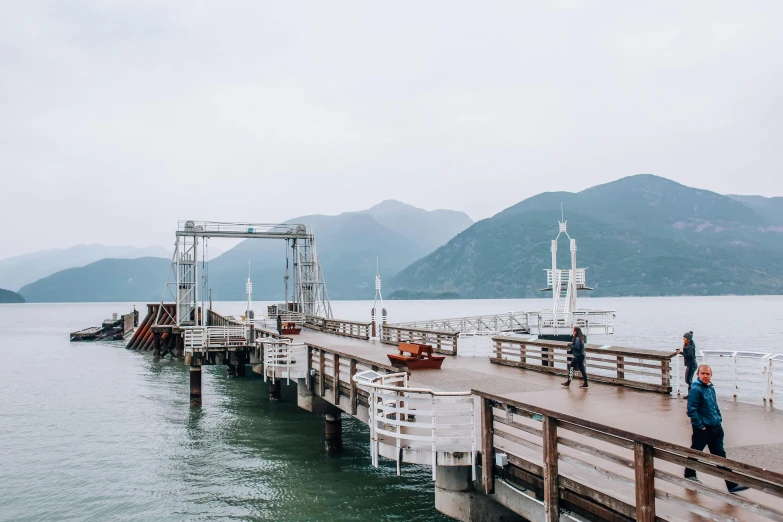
(578, 357)
(706, 422)
(279, 324)
(688, 353)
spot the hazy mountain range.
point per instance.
(17, 271)
(348, 246)
(640, 235)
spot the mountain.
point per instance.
(427, 228)
(15, 272)
(770, 208)
(141, 279)
(7, 296)
(640, 235)
(349, 245)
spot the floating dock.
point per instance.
(114, 329)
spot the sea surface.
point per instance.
(91, 431)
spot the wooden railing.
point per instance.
(606, 473)
(441, 341)
(355, 329)
(632, 367)
(328, 369)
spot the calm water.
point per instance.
(94, 432)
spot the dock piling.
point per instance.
(334, 432)
(274, 390)
(195, 383)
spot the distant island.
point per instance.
(7, 296)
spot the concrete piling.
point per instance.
(195, 383)
(156, 344)
(334, 432)
(274, 390)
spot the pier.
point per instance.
(503, 439)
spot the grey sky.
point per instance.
(118, 118)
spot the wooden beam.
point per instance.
(336, 378)
(644, 467)
(487, 463)
(308, 377)
(551, 496)
(354, 396)
(321, 373)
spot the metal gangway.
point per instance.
(510, 322)
(407, 421)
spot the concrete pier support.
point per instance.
(156, 338)
(195, 383)
(241, 370)
(455, 497)
(334, 432)
(231, 370)
(274, 390)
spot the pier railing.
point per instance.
(284, 359)
(354, 329)
(212, 337)
(417, 418)
(744, 375)
(441, 341)
(632, 367)
(600, 471)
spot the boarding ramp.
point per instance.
(510, 322)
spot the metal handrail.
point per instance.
(390, 405)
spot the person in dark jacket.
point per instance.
(578, 357)
(706, 421)
(279, 324)
(688, 353)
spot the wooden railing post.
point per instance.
(666, 375)
(620, 367)
(487, 444)
(336, 378)
(309, 375)
(321, 373)
(644, 466)
(551, 489)
(354, 395)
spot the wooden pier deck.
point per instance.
(611, 452)
(754, 434)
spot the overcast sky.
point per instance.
(119, 118)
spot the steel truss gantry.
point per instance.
(188, 277)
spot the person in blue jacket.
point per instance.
(706, 421)
(688, 353)
(578, 357)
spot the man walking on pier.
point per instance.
(706, 421)
(279, 324)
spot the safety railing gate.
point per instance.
(284, 359)
(416, 418)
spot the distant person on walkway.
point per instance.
(578, 357)
(688, 353)
(279, 324)
(706, 421)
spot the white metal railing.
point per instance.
(564, 276)
(476, 344)
(744, 375)
(206, 337)
(284, 359)
(417, 418)
(508, 322)
(590, 321)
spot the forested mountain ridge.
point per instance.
(640, 235)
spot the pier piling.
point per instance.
(334, 432)
(274, 390)
(195, 383)
(241, 370)
(156, 344)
